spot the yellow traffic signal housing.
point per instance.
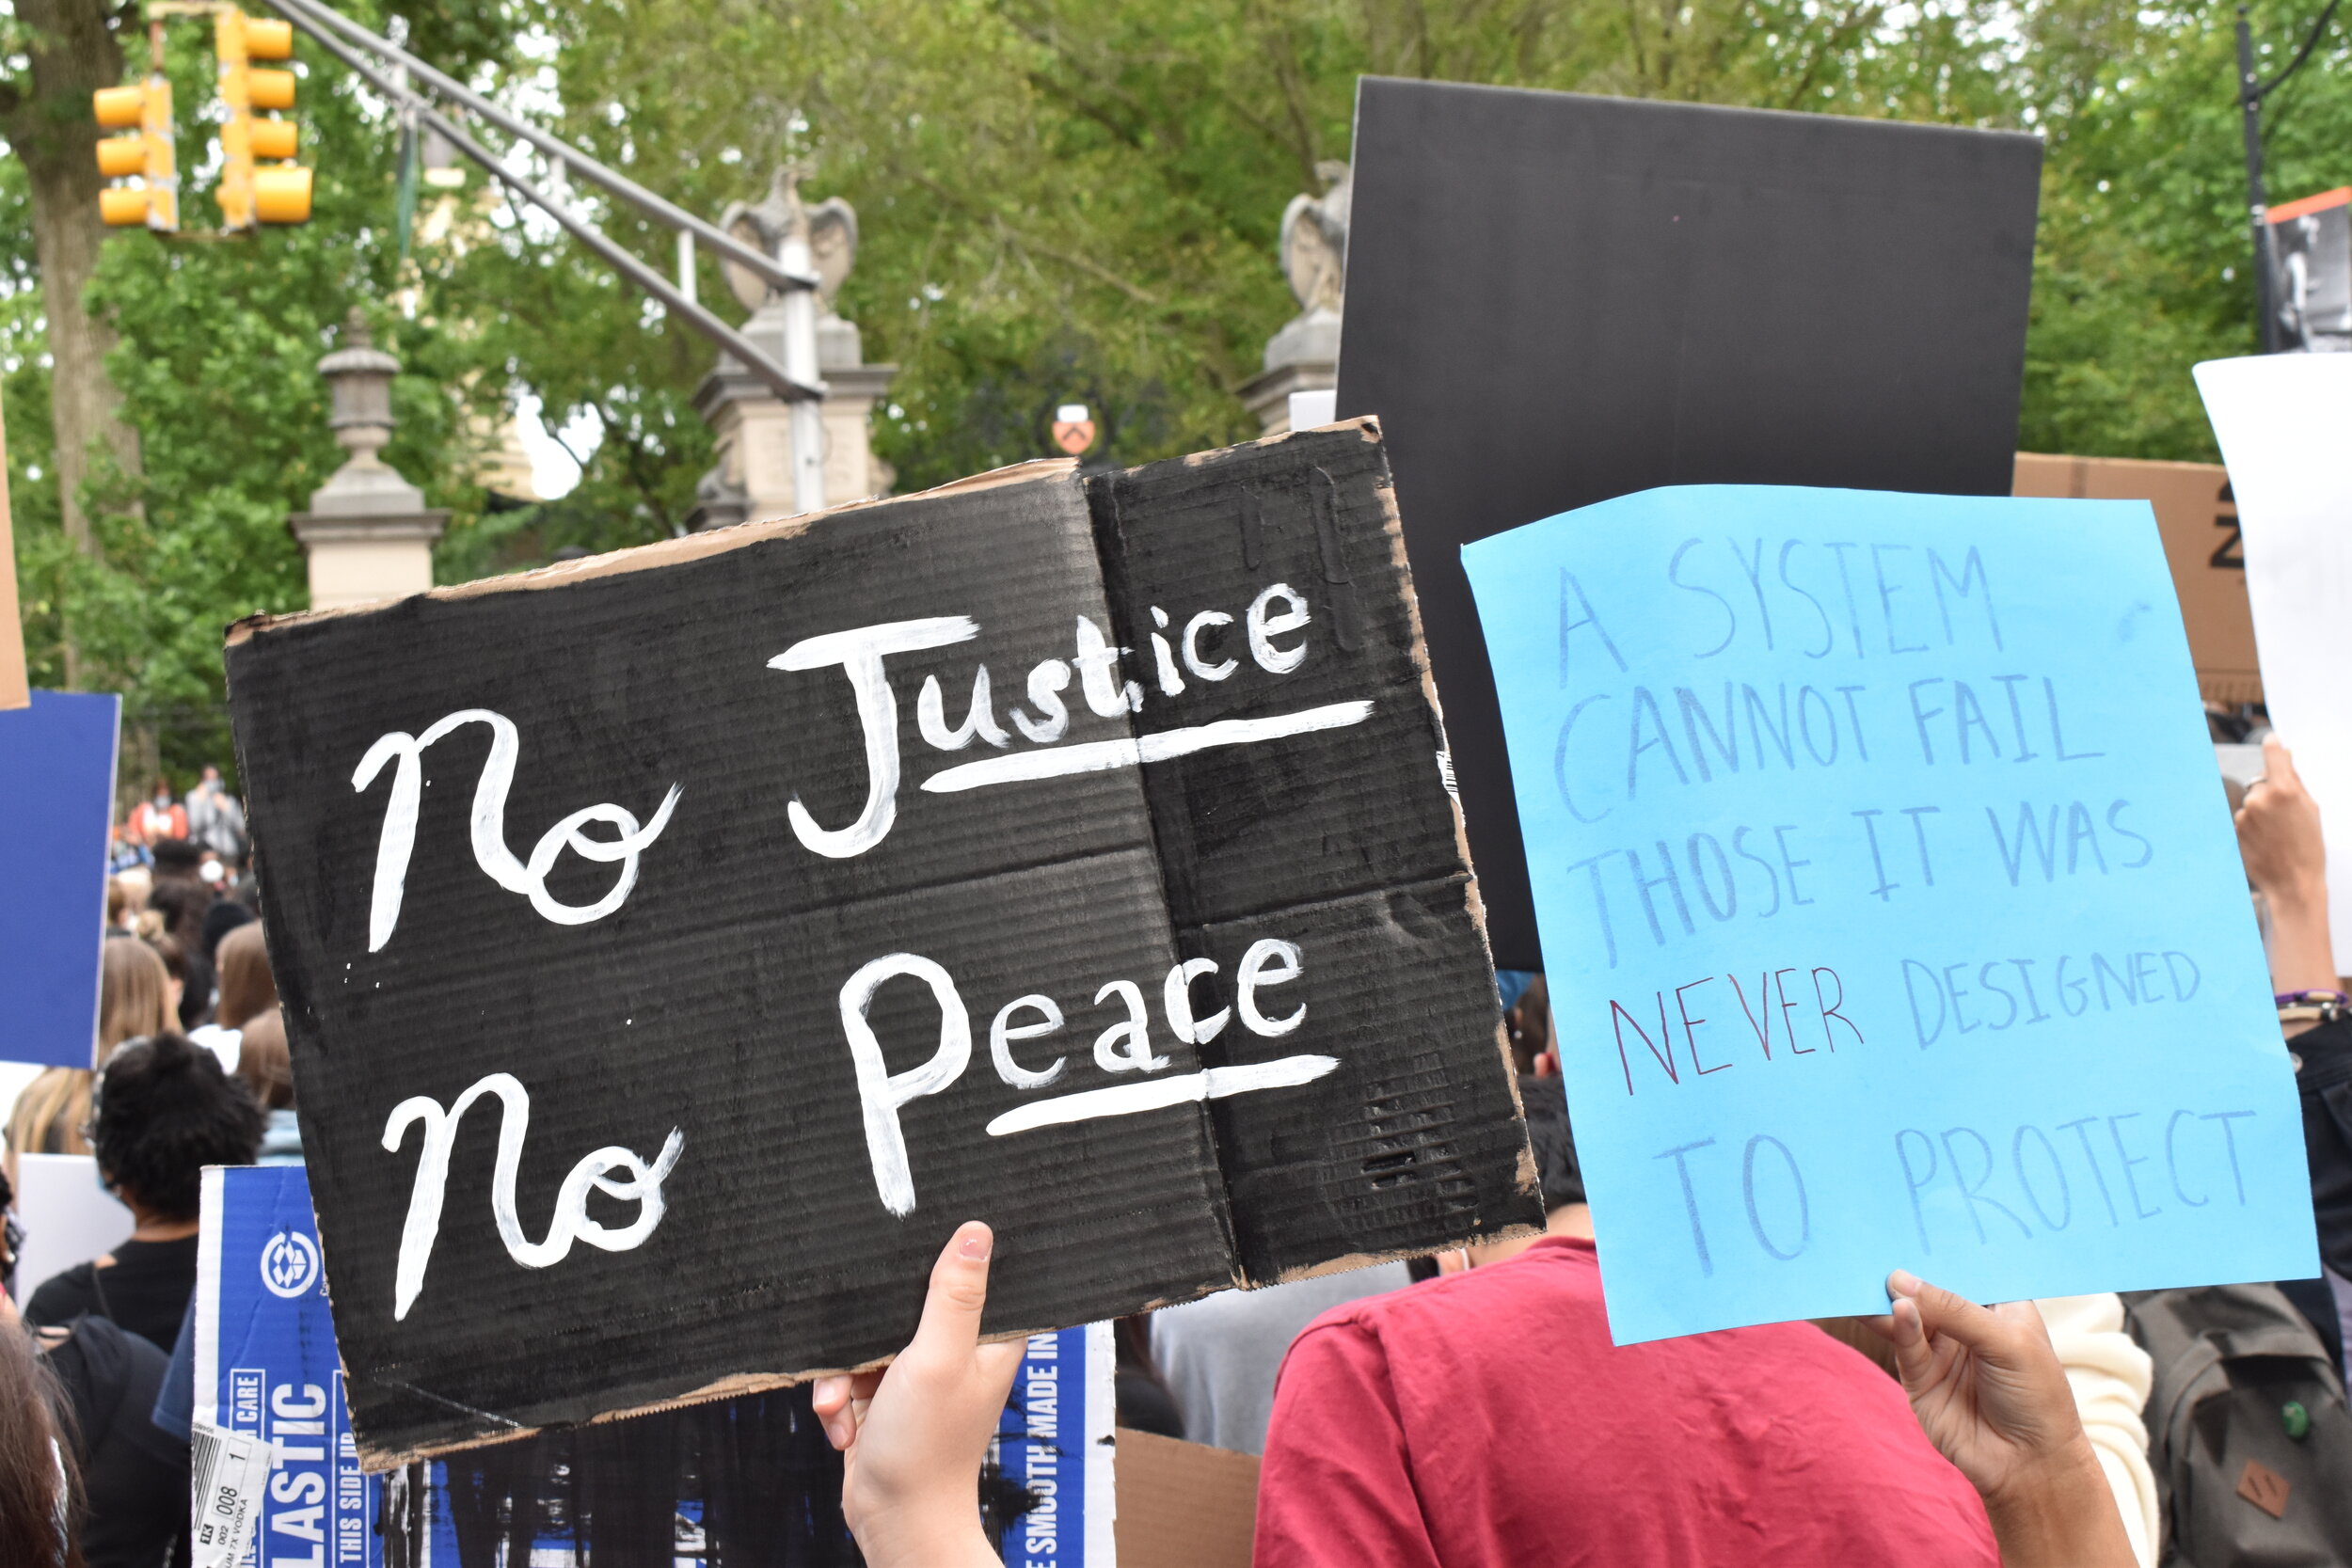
(147, 155)
(250, 196)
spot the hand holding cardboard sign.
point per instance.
(1991, 1395)
(913, 1435)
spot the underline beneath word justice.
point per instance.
(1095, 757)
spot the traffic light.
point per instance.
(280, 191)
(146, 154)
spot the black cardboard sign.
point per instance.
(677, 946)
(1553, 299)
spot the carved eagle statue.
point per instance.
(1314, 239)
(830, 227)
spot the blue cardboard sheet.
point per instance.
(266, 1367)
(57, 802)
(1055, 1443)
(1890, 904)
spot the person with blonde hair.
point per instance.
(134, 999)
(245, 991)
(248, 988)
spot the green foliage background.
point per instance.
(1059, 201)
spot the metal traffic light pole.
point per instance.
(796, 382)
(2252, 90)
(311, 17)
(2249, 100)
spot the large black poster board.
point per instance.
(1553, 299)
(677, 946)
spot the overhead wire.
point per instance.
(304, 15)
(2302, 55)
(766, 267)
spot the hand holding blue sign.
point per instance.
(1992, 1395)
(1890, 903)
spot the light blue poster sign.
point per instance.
(1890, 904)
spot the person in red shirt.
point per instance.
(156, 820)
(1983, 1384)
(1486, 1421)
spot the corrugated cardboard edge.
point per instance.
(1528, 1182)
(375, 1460)
(666, 552)
(1392, 524)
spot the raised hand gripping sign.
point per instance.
(1890, 903)
(1158, 951)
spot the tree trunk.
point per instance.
(74, 51)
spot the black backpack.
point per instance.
(2247, 1430)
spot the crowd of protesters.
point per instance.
(1465, 1410)
(189, 1068)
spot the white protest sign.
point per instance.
(2284, 421)
(70, 1217)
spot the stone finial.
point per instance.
(368, 534)
(360, 391)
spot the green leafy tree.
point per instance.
(215, 345)
(1059, 201)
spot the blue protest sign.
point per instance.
(57, 802)
(1890, 904)
(276, 1477)
(268, 1381)
(1055, 1442)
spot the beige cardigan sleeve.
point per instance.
(2110, 1376)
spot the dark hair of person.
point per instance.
(1547, 1106)
(262, 1064)
(36, 1456)
(183, 906)
(176, 860)
(225, 917)
(247, 987)
(165, 946)
(164, 1111)
(1528, 1023)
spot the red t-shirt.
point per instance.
(1486, 1421)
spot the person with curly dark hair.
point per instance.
(164, 1111)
